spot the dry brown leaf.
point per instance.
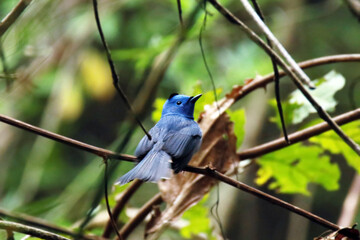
(342, 234)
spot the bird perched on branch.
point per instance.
(176, 137)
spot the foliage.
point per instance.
(295, 167)
(198, 220)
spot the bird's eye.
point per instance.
(178, 102)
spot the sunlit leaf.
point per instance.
(326, 88)
(331, 142)
(199, 221)
(238, 118)
(294, 167)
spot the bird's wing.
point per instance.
(145, 145)
(183, 143)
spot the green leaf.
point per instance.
(238, 118)
(198, 219)
(288, 111)
(331, 142)
(294, 167)
(326, 88)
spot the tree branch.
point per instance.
(126, 195)
(36, 222)
(298, 136)
(269, 35)
(354, 6)
(68, 141)
(253, 191)
(13, 16)
(140, 216)
(263, 81)
(291, 72)
(351, 203)
(35, 232)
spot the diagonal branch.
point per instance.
(40, 223)
(68, 141)
(13, 16)
(35, 232)
(120, 205)
(269, 35)
(291, 72)
(253, 191)
(143, 212)
(298, 136)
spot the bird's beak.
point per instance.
(195, 98)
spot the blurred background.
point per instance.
(54, 74)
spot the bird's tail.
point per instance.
(154, 166)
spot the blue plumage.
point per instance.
(176, 137)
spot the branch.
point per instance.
(351, 203)
(36, 222)
(291, 72)
(354, 6)
(298, 136)
(253, 191)
(35, 232)
(13, 16)
(270, 36)
(140, 216)
(68, 141)
(263, 81)
(115, 76)
(126, 195)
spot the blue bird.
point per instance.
(175, 137)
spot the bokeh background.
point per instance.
(54, 74)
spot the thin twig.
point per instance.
(298, 136)
(276, 75)
(112, 220)
(120, 205)
(223, 178)
(180, 12)
(269, 35)
(39, 223)
(140, 216)
(202, 29)
(35, 232)
(13, 16)
(115, 76)
(291, 72)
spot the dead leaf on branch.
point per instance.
(218, 151)
(342, 234)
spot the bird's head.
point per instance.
(180, 105)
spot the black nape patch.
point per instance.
(173, 94)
